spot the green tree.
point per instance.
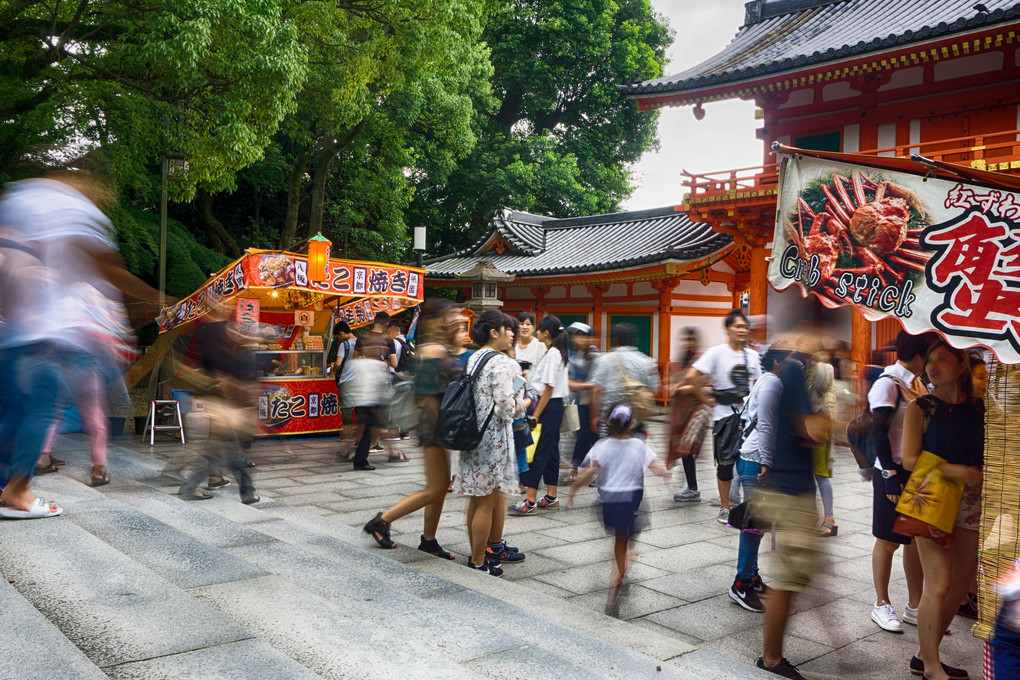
(127, 79)
(559, 139)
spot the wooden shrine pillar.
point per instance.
(665, 287)
(539, 292)
(758, 290)
(860, 341)
(597, 290)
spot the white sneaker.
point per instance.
(909, 615)
(885, 616)
(724, 515)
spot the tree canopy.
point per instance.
(357, 118)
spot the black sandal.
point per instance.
(51, 468)
(101, 479)
(379, 529)
(432, 547)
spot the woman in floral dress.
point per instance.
(488, 473)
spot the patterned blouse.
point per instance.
(493, 464)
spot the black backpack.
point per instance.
(406, 361)
(457, 426)
(860, 429)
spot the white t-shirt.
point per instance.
(718, 363)
(552, 371)
(884, 393)
(622, 464)
(533, 353)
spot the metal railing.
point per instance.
(999, 151)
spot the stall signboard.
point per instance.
(362, 312)
(934, 253)
(385, 286)
(294, 406)
(247, 315)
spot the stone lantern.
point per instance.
(484, 278)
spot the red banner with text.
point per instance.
(298, 406)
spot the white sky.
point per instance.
(724, 139)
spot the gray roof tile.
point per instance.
(550, 246)
(789, 34)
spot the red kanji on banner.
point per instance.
(978, 270)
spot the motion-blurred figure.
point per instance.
(60, 283)
(231, 365)
(582, 358)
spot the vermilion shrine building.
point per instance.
(887, 78)
(655, 269)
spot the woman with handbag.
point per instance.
(947, 423)
(689, 419)
(437, 367)
(551, 381)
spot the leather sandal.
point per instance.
(102, 478)
(828, 530)
(379, 529)
(432, 547)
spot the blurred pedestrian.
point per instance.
(435, 370)
(788, 501)
(231, 406)
(757, 456)
(61, 282)
(949, 423)
(371, 383)
(689, 419)
(551, 381)
(582, 358)
(615, 375)
(821, 386)
(619, 462)
(732, 368)
(487, 473)
(343, 374)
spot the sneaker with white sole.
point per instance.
(724, 516)
(885, 616)
(910, 615)
(523, 508)
(687, 496)
(547, 503)
(746, 598)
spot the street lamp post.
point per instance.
(419, 243)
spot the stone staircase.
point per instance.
(133, 582)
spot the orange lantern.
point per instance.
(318, 258)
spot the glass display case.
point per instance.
(278, 364)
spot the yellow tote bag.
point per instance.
(929, 497)
(535, 434)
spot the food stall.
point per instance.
(290, 307)
(937, 247)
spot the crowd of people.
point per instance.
(765, 411)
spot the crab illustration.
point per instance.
(873, 233)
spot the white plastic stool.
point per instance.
(150, 423)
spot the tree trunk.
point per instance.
(221, 240)
(320, 175)
(297, 174)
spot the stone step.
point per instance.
(33, 647)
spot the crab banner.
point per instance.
(936, 254)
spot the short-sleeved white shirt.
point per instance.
(622, 464)
(551, 371)
(884, 393)
(718, 363)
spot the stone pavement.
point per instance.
(684, 561)
(133, 582)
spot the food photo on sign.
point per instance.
(934, 252)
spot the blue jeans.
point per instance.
(31, 380)
(750, 539)
(585, 437)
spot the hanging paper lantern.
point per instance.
(318, 258)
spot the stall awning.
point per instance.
(934, 245)
(355, 290)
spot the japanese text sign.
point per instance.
(935, 254)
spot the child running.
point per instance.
(620, 462)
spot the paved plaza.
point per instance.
(684, 561)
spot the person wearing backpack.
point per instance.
(895, 387)
(488, 470)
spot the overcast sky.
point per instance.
(724, 139)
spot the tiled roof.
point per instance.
(783, 35)
(547, 246)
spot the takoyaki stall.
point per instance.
(288, 307)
